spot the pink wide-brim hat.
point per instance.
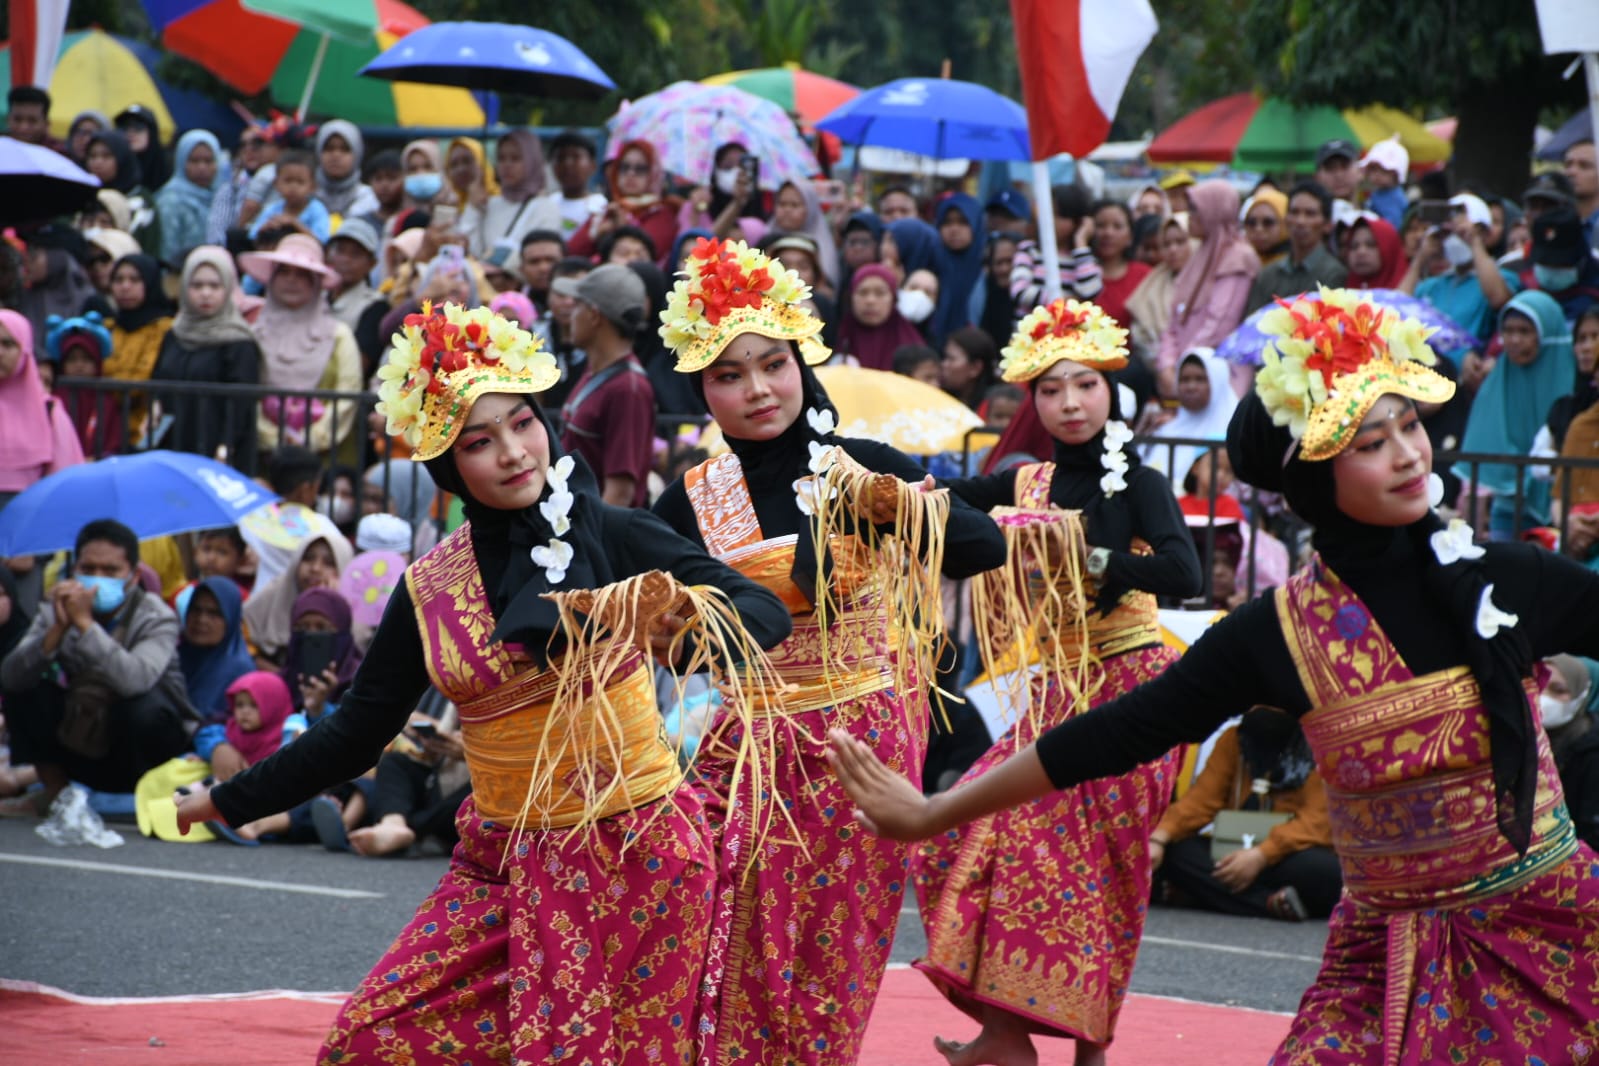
(295, 250)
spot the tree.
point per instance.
(1193, 60)
(1483, 59)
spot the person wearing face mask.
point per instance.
(1462, 279)
(917, 299)
(1566, 710)
(94, 692)
(576, 792)
(874, 327)
(1408, 656)
(1561, 263)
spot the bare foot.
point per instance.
(15, 780)
(1002, 1046)
(385, 838)
(250, 830)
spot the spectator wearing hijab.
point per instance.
(798, 210)
(213, 655)
(184, 202)
(497, 227)
(269, 613)
(1211, 292)
(339, 149)
(1151, 303)
(407, 491)
(1566, 711)
(105, 246)
(1265, 221)
(112, 161)
(1374, 254)
(85, 124)
(636, 183)
(302, 347)
(210, 341)
(143, 317)
(56, 281)
(1536, 369)
(138, 124)
(321, 611)
(862, 241)
(37, 437)
(872, 328)
(909, 245)
(466, 169)
(1205, 404)
(958, 261)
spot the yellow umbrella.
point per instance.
(916, 418)
(1377, 123)
(97, 73)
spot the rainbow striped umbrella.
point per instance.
(307, 54)
(807, 96)
(1253, 133)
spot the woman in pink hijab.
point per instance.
(1211, 291)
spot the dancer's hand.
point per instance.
(194, 806)
(1240, 869)
(887, 804)
(664, 634)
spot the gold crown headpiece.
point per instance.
(443, 359)
(727, 288)
(1329, 357)
(1064, 329)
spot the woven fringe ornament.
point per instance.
(1035, 608)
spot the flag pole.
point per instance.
(1044, 209)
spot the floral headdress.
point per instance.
(727, 288)
(1065, 329)
(442, 360)
(1327, 361)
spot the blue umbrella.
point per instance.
(38, 183)
(153, 493)
(492, 56)
(934, 117)
(1244, 344)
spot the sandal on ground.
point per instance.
(328, 818)
(1285, 905)
(223, 831)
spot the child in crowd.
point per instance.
(294, 190)
(220, 553)
(79, 346)
(999, 405)
(919, 362)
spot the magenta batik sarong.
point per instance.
(1448, 946)
(1039, 909)
(810, 903)
(574, 954)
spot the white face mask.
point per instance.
(1457, 251)
(1556, 713)
(340, 510)
(727, 180)
(914, 304)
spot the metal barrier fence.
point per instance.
(241, 424)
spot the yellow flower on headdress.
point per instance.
(726, 288)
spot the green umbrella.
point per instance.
(1282, 137)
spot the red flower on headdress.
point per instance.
(724, 287)
(1344, 341)
(1062, 320)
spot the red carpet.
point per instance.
(41, 1025)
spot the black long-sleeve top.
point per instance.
(393, 676)
(1243, 660)
(1151, 511)
(972, 543)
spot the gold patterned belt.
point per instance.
(560, 770)
(813, 677)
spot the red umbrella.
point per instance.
(1209, 135)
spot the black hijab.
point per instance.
(503, 542)
(155, 301)
(15, 627)
(153, 166)
(1260, 454)
(772, 466)
(129, 175)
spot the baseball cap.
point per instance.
(1177, 179)
(1477, 212)
(360, 231)
(612, 290)
(1011, 202)
(1558, 239)
(1552, 186)
(383, 533)
(1335, 148)
(1390, 155)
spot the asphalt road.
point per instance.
(155, 919)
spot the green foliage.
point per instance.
(1193, 60)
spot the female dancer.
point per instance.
(572, 923)
(814, 901)
(997, 945)
(1407, 651)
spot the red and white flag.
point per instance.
(1076, 57)
(37, 27)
